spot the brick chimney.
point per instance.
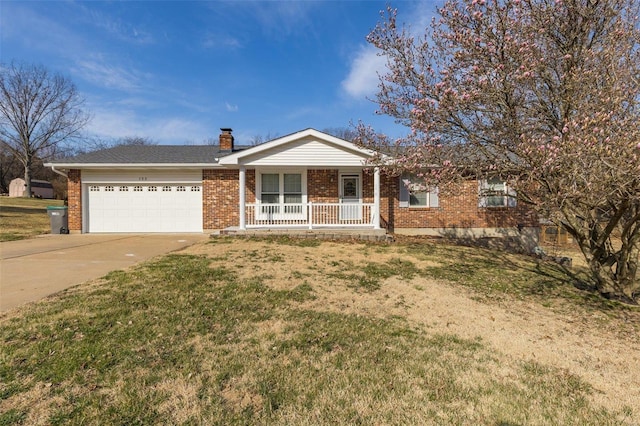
(226, 139)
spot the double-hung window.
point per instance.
(292, 192)
(415, 194)
(281, 194)
(270, 193)
(494, 192)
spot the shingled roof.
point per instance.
(149, 154)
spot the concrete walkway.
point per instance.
(35, 268)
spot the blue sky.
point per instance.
(176, 72)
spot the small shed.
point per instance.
(39, 188)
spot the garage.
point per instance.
(145, 201)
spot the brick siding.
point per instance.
(74, 200)
(220, 197)
(322, 186)
(458, 206)
(458, 209)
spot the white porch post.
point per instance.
(243, 201)
(376, 198)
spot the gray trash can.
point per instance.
(59, 219)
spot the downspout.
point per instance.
(53, 169)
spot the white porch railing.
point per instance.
(310, 215)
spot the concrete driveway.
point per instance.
(35, 268)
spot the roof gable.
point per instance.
(305, 148)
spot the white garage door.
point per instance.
(122, 207)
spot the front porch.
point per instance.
(306, 181)
(293, 199)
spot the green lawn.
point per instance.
(238, 332)
(22, 218)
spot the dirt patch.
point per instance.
(589, 345)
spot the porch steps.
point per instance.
(379, 235)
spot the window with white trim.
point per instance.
(292, 192)
(494, 192)
(281, 193)
(415, 193)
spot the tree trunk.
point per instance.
(616, 274)
(27, 179)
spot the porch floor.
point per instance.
(320, 234)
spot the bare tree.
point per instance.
(38, 111)
(346, 133)
(135, 140)
(544, 92)
(259, 139)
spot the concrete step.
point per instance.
(320, 234)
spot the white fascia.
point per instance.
(133, 165)
(236, 158)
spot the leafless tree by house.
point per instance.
(259, 139)
(346, 133)
(38, 111)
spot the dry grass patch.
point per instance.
(278, 331)
(22, 218)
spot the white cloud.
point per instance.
(116, 27)
(364, 72)
(231, 108)
(366, 66)
(118, 123)
(37, 31)
(103, 73)
(283, 18)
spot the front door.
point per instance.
(350, 198)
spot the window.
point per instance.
(195, 189)
(124, 188)
(108, 188)
(166, 189)
(137, 188)
(153, 189)
(94, 188)
(494, 192)
(281, 193)
(181, 188)
(415, 193)
(292, 192)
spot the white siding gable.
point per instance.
(310, 152)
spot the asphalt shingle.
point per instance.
(149, 154)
